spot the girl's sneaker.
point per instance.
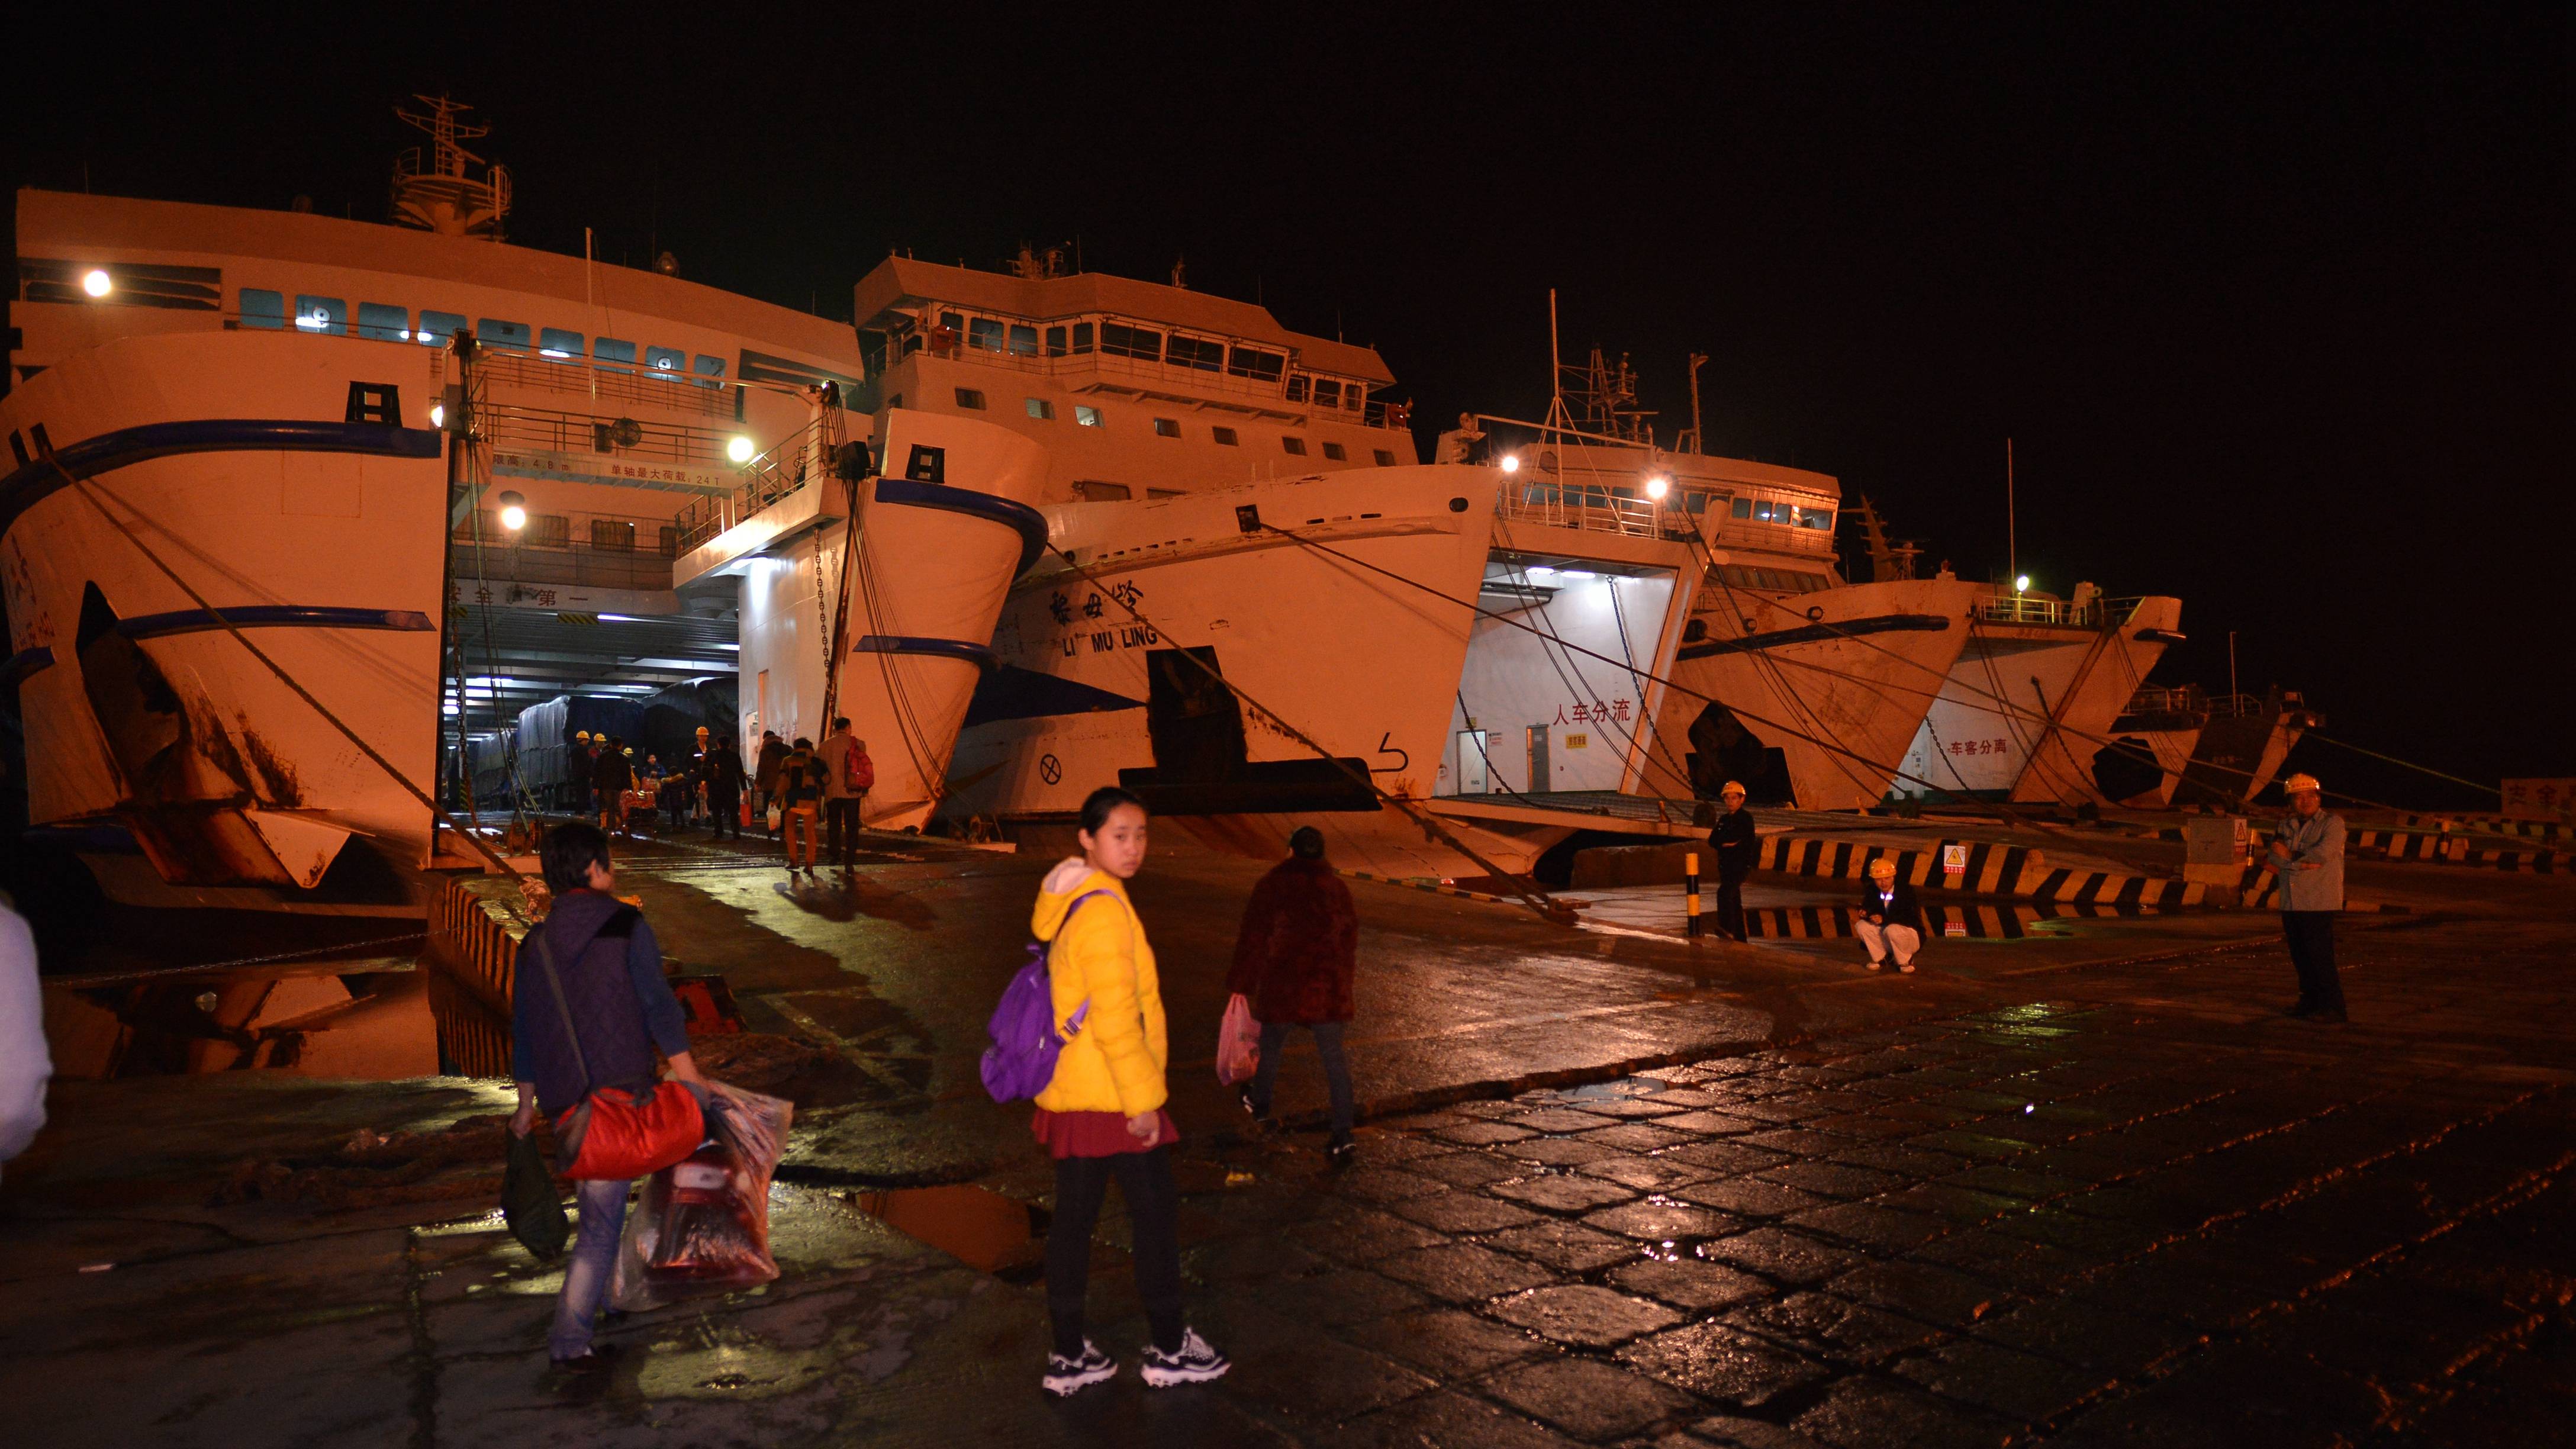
(1067, 1376)
(1194, 1362)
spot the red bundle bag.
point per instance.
(702, 1224)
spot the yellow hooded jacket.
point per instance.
(1115, 1062)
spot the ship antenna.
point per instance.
(440, 192)
(1697, 442)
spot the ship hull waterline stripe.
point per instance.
(274, 616)
(1020, 518)
(979, 655)
(33, 482)
(1817, 634)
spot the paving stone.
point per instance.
(1442, 1418)
(1662, 1220)
(1752, 1197)
(1292, 1370)
(1901, 1158)
(1870, 1226)
(1629, 1107)
(1951, 1204)
(1637, 1137)
(1339, 1296)
(2017, 1385)
(1477, 1134)
(2074, 1331)
(1557, 1119)
(1973, 1145)
(1820, 1325)
(1447, 1343)
(2236, 1394)
(1353, 1233)
(1559, 1151)
(2015, 1181)
(1466, 1169)
(1783, 1256)
(1569, 1248)
(1589, 1399)
(1797, 1142)
(1728, 1431)
(1728, 1158)
(1567, 1193)
(2097, 1237)
(1863, 1125)
(1463, 1272)
(1582, 1315)
(1867, 1413)
(1386, 1184)
(1646, 1174)
(1691, 1283)
(1463, 1212)
(1831, 1179)
(1717, 1361)
(1710, 1124)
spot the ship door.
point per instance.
(1539, 777)
(1472, 779)
(1192, 721)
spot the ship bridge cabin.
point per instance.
(1135, 389)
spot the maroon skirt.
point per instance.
(1097, 1134)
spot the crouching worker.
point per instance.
(1101, 1115)
(590, 1008)
(1890, 920)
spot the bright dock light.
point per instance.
(1511, 462)
(514, 512)
(438, 415)
(1658, 486)
(739, 449)
(96, 282)
(2021, 585)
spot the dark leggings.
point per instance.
(1153, 1213)
(2312, 953)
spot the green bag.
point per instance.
(529, 1202)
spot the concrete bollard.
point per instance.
(1690, 885)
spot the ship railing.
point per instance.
(768, 480)
(1138, 374)
(609, 382)
(531, 572)
(1591, 509)
(506, 426)
(2029, 609)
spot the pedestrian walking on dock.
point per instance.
(800, 796)
(1295, 959)
(2307, 854)
(615, 1010)
(1890, 920)
(724, 786)
(764, 771)
(1102, 1113)
(1737, 848)
(847, 774)
(609, 778)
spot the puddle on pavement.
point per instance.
(2041, 919)
(977, 1226)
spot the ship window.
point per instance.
(1743, 508)
(1088, 417)
(1334, 452)
(665, 359)
(1254, 363)
(1354, 396)
(984, 333)
(1041, 409)
(262, 308)
(1293, 444)
(547, 530)
(711, 367)
(1055, 342)
(968, 397)
(552, 342)
(1223, 435)
(513, 336)
(380, 323)
(953, 321)
(608, 352)
(1162, 493)
(1297, 388)
(326, 315)
(1199, 352)
(1102, 492)
(1081, 337)
(1820, 518)
(1385, 459)
(1328, 393)
(1024, 341)
(612, 533)
(1119, 340)
(1167, 428)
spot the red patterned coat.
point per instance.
(1299, 946)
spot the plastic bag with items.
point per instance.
(702, 1225)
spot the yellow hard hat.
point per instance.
(630, 749)
(1882, 867)
(581, 734)
(2299, 782)
(1730, 788)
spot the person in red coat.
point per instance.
(1293, 961)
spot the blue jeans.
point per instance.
(1337, 1070)
(602, 1203)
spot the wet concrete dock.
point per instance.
(2082, 1185)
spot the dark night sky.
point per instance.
(2274, 304)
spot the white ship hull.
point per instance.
(2010, 692)
(187, 772)
(2060, 768)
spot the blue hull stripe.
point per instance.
(979, 655)
(24, 487)
(24, 663)
(1817, 633)
(274, 616)
(1027, 522)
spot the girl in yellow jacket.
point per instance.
(1102, 1112)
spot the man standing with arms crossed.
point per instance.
(2307, 854)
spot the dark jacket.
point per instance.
(611, 968)
(1299, 946)
(765, 770)
(1737, 846)
(723, 775)
(613, 773)
(1904, 910)
(800, 778)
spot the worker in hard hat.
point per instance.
(578, 760)
(1737, 848)
(1890, 921)
(2307, 855)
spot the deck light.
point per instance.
(739, 449)
(2021, 584)
(96, 282)
(438, 415)
(1658, 486)
(514, 512)
(1511, 462)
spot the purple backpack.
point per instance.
(1021, 1060)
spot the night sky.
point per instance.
(2274, 305)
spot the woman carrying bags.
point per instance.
(1101, 1114)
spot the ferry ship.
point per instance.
(426, 475)
(2183, 746)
